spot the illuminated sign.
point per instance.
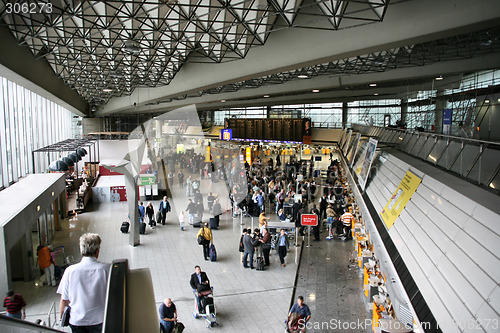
(248, 155)
(226, 134)
(208, 155)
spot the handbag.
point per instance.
(201, 239)
(65, 317)
(178, 327)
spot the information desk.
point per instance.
(283, 225)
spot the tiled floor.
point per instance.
(332, 288)
(246, 300)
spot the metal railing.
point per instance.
(52, 311)
(475, 160)
(8, 324)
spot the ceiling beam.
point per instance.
(405, 23)
(300, 91)
(19, 65)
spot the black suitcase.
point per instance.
(260, 264)
(124, 227)
(142, 228)
(213, 223)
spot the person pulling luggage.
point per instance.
(206, 234)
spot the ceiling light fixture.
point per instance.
(223, 101)
(439, 78)
(131, 47)
(107, 90)
(376, 94)
(316, 91)
(266, 96)
(303, 76)
(373, 84)
(486, 100)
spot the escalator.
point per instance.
(130, 305)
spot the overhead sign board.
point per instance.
(226, 134)
(146, 179)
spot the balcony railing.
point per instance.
(476, 160)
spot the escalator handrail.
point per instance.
(13, 322)
(116, 299)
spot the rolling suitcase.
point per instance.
(213, 253)
(260, 264)
(142, 228)
(213, 223)
(124, 227)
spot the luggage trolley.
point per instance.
(209, 312)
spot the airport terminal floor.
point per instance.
(246, 300)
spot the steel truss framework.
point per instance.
(121, 45)
(458, 47)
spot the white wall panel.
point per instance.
(453, 303)
(483, 235)
(494, 300)
(427, 193)
(432, 250)
(417, 214)
(443, 223)
(434, 184)
(487, 312)
(475, 275)
(422, 204)
(453, 212)
(466, 205)
(470, 297)
(480, 255)
(449, 243)
(488, 218)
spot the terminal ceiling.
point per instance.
(153, 56)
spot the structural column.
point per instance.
(440, 106)
(404, 110)
(133, 208)
(344, 114)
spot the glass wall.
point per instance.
(420, 111)
(27, 122)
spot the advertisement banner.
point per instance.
(355, 149)
(346, 143)
(352, 147)
(365, 166)
(400, 198)
(118, 193)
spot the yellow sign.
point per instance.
(400, 198)
(208, 155)
(248, 155)
(307, 151)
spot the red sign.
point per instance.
(118, 193)
(309, 219)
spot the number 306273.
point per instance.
(28, 8)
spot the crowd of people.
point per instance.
(268, 190)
